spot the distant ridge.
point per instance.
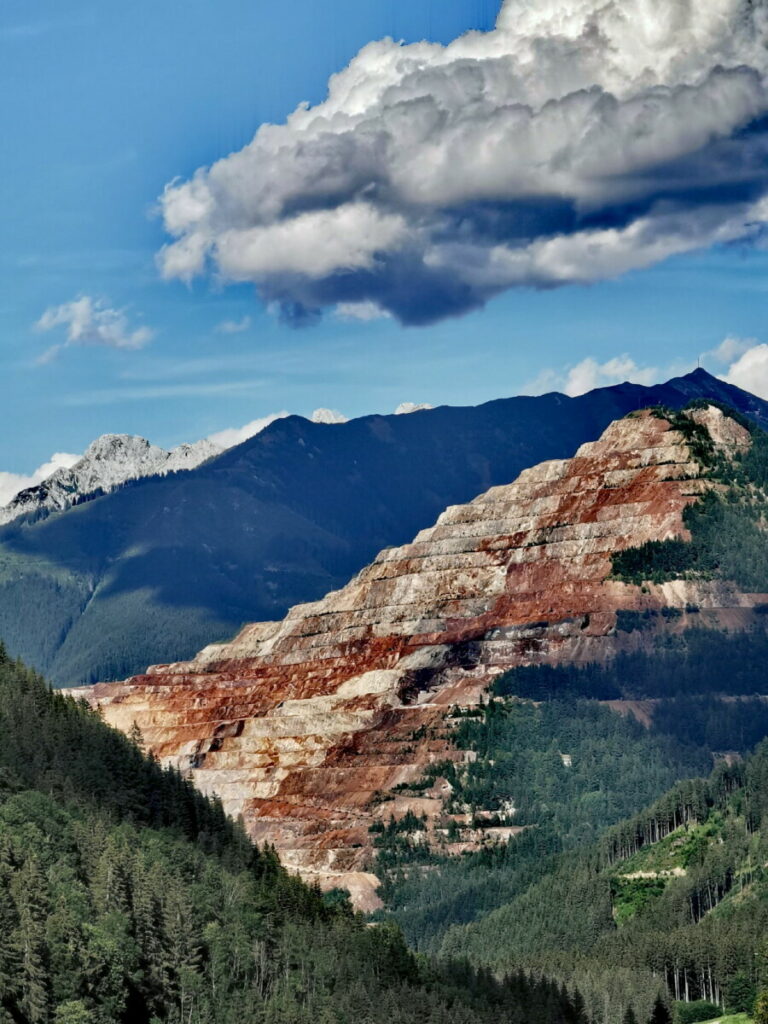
(107, 462)
(164, 565)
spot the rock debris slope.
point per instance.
(299, 725)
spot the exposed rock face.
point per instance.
(298, 724)
(108, 461)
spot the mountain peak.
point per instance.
(108, 461)
(116, 442)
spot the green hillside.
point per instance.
(678, 894)
(671, 901)
(726, 525)
(128, 898)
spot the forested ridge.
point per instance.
(126, 897)
(693, 662)
(567, 770)
(678, 894)
(727, 524)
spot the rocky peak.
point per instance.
(298, 724)
(109, 461)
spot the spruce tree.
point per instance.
(31, 898)
(660, 1014)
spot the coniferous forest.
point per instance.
(127, 897)
(669, 902)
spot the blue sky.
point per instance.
(104, 104)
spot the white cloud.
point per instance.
(236, 435)
(750, 369)
(590, 374)
(406, 407)
(89, 321)
(12, 483)
(729, 350)
(328, 416)
(364, 311)
(574, 142)
(234, 326)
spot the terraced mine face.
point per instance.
(300, 725)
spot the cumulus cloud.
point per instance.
(590, 374)
(748, 364)
(328, 416)
(574, 142)
(12, 483)
(406, 407)
(89, 321)
(730, 348)
(236, 435)
(234, 326)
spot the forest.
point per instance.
(126, 897)
(726, 524)
(676, 895)
(577, 775)
(696, 661)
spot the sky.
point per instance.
(554, 203)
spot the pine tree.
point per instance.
(661, 1014)
(74, 1011)
(136, 737)
(31, 898)
(182, 951)
(9, 949)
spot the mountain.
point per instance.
(108, 461)
(112, 459)
(318, 729)
(163, 565)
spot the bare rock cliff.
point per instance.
(298, 725)
(109, 461)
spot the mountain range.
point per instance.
(499, 733)
(524, 737)
(296, 725)
(165, 564)
(113, 459)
